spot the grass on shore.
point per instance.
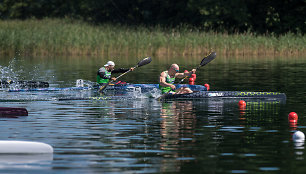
(66, 37)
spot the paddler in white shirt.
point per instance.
(104, 73)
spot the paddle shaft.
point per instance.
(204, 61)
(121, 75)
(104, 86)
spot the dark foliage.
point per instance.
(259, 16)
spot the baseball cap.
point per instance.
(110, 63)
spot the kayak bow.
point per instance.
(12, 112)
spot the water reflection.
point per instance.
(178, 122)
(177, 128)
(29, 161)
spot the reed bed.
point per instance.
(70, 37)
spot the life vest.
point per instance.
(102, 80)
(168, 80)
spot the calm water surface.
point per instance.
(147, 136)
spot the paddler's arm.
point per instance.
(122, 70)
(162, 81)
(182, 75)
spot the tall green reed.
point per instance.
(70, 37)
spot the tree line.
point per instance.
(234, 16)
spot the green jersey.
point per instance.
(105, 78)
(168, 80)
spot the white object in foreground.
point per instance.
(22, 147)
(298, 136)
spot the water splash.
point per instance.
(14, 72)
(9, 72)
(154, 93)
(85, 83)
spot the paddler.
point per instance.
(104, 73)
(167, 78)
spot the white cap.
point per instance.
(110, 63)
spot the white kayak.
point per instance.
(24, 147)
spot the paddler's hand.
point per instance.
(113, 78)
(132, 69)
(172, 87)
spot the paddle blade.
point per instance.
(145, 61)
(208, 58)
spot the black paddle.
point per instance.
(204, 61)
(145, 61)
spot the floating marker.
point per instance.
(292, 117)
(191, 81)
(194, 76)
(241, 103)
(242, 106)
(207, 86)
(298, 136)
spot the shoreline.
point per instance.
(162, 52)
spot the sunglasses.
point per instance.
(176, 70)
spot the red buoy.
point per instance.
(242, 106)
(292, 117)
(207, 86)
(191, 81)
(194, 76)
(242, 103)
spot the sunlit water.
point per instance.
(143, 135)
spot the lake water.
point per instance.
(144, 135)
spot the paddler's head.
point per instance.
(174, 68)
(109, 65)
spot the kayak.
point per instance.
(150, 87)
(24, 147)
(23, 84)
(12, 112)
(112, 87)
(226, 94)
(199, 95)
(196, 95)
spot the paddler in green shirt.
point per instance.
(167, 78)
(104, 73)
